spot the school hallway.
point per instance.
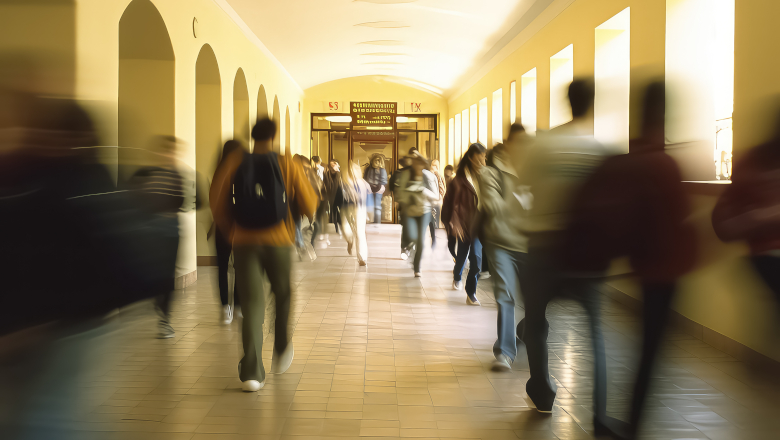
(381, 354)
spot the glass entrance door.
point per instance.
(362, 154)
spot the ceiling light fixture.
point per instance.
(383, 62)
(384, 54)
(384, 24)
(386, 2)
(383, 43)
(338, 118)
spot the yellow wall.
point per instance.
(723, 293)
(377, 89)
(97, 67)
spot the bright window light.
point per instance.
(483, 121)
(401, 119)
(528, 101)
(498, 117)
(561, 75)
(458, 139)
(339, 118)
(613, 80)
(473, 124)
(513, 102)
(700, 76)
(465, 124)
(451, 142)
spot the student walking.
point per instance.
(418, 190)
(351, 201)
(263, 230)
(376, 176)
(436, 207)
(458, 212)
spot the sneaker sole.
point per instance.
(531, 404)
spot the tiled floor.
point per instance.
(381, 354)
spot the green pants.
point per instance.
(251, 264)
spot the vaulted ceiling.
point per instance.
(434, 43)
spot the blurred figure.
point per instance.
(556, 168)
(749, 209)
(225, 248)
(316, 185)
(635, 205)
(461, 204)
(418, 190)
(436, 207)
(452, 242)
(376, 176)
(263, 230)
(321, 217)
(332, 183)
(74, 250)
(405, 163)
(162, 187)
(351, 201)
(504, 207)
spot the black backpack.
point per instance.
(259, 197)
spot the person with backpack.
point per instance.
(459, 213)
(418, 191)
(405, 163)
(505, 205)
(252, 197)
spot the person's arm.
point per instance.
(430, 189)
(492, 199)
(221, 192)
(447, 205)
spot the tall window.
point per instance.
(561, 75)
(700, 75)
(498, 117)
(613, 80)
(528, 101)
(451, 142)
(473, 125)
(483, 121)
(513, 102)
(458, 143)
(466, 125)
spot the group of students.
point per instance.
(551, 212)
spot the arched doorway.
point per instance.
(262, 103)
(147, 105)
(287, 131)
(208, 132)
(241, 109)
(276, 118)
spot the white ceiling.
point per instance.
(435, 43)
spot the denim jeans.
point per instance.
(473, 252)
(320, 221)
(377, 199)
(415, 230)
(434, 224)
(505, 269)
(543, 282)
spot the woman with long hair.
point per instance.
(418, 191)
(461, 203)
(351, 202)
(376, 177)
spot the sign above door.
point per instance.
(373, 114)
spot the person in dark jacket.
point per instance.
(224, 250)
(376, 177)
(634, 205)
(458, 212)
(332, 183)
(405, 163)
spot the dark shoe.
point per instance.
(611, 428)
(540, 397)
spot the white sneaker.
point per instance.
(418, 274)
(249, 386)
(165, 330)
(227, 314)
(472, 300)
(281, 362)
(502, 363)
(484, 275)
(457, 285)
(404, 255)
